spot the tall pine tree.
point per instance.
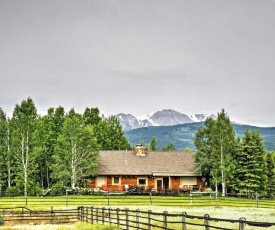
(251, 177)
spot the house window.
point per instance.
(116, 180)
(142, 181)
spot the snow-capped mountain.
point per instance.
(166, 117)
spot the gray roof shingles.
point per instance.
(154, 163)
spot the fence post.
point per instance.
(165, 213)
(78, 210)
(206, 221)
(87, 214)
(103, 215)
(82, 213)
(137, 218)
(22, 212)
(184, 214)
(127, 218)
(97, 214)
(149, 220)
(51, 214)
(242, 223)
(92, 215)
(66, 197)
(109, 214)
(117, 216)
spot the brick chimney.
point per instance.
(140, 150)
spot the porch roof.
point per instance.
(152, 164)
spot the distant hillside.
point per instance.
(183, 135)
(165, 117)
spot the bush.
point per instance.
(12, 191)
(58, 189)
(35, 190)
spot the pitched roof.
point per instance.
(154, 163)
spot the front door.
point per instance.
(166, 183)
(159, 185)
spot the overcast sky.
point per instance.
(140, 56)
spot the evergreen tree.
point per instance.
(169, 147)
(251, 167)
(3, 148)
(153, 144)
(270, 161)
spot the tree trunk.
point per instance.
(222, 173)
(8, 160)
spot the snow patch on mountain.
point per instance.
(166, 117)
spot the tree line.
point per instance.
(57, 150)
(61, 150)
(234, 165)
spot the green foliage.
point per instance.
(13, 191)
(188, 150)
(251, 170)
(36, 151)
(169, 147)
(58, 189)
(216, 145)
(110, 135)
(76, 152)
(202, 141)
(24, 125)
(270, 161)
(153, 144)
(91, 116)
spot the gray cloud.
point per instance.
(140, 56)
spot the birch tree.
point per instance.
(76, 152)
(23, 119)
(216, 145)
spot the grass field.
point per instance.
(223, 207)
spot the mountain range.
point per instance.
(171, 126)
(166, 117)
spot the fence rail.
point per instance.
(137, 219)
(124, 218)
(22, 215)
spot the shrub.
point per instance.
(58, 189)
(12, 191)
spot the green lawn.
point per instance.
(121, 200)
(199, 205)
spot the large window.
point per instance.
(141, 181)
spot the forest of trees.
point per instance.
(56, 151)
(60, 150)
(240, 166)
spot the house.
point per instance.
(160, 171)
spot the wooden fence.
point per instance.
(148, 220)
(22, 215)
(123, 218)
